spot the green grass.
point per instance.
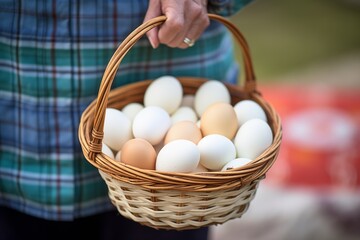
(285, 36)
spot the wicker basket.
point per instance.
(164, 200)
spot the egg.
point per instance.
(159, 146)
(117, 129)
(139, 153)
(188, 101)
(253, 138)
(107, 151)
(151, 124)
(165, 92)
(236, 163)
(219, 118)
(183, 130)
(210, 92)
(248, 109)
(131, 109)
(216, 151)
(178, 156)
(200, 168)
(198, 123)
(118, 156)
(184, 113)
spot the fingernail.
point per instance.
(152, 44)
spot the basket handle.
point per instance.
(127, 44)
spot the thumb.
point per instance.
(154, 10)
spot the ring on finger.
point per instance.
(189, 42)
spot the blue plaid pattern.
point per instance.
(52, 57)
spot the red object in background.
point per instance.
(321, 136)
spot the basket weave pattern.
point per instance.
(185, 208)
(165, 200)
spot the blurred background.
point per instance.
(306, 56)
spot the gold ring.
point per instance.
(189, 42)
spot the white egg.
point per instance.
(252, 138)
(131, 109)
(178, 156)
(248, 109)
(200, 168)
(216, 151)
(165, 92)
(151, 124)
(188, 101)
(117, 129)
(210, 92)
(107, 151)
(237, 162)
(184, 113)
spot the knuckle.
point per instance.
(176, 25)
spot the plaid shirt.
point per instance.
(52, 57)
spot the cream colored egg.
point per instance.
(183, 130)
(178, 156)
(184, 113)
(117, 129)
(253, 138)
(131, 109)
(208, 93)
(236, 163)
(216, 151)
(248, 109)
(151, 124)
(165, 92)
(219, 118)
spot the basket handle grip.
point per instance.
(127, 44)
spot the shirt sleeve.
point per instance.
(226, 7)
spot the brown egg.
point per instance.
(139, 153)
(183, 130)
(219, 118)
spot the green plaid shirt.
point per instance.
(52, 57)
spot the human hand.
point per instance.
(186, 21)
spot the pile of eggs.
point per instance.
(175, 132)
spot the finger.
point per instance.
(154, 10)
(190, 24)
(172, 29)
(194, 32)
